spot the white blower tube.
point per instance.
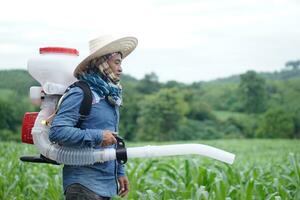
(60, 154)
(180, 149)
(88, 156)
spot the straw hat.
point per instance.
(104, 45)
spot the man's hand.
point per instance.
(108, 138)
(124, 186)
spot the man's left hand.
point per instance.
(124, 186)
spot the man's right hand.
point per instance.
(108, 138)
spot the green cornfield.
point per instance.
(263, 169)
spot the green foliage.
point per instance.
(225, 115)
(263, 169)
(214, 109)
(129, 113)
(9, 135)
(160, 114)
(244, 127)
(233, 128)
(174, 84)
(276, 123)
(237, 125)
(17, 80)
(12, 109)
(149, 84)
(193, 129)
(296, 118)
(200, 111)
(129, 109)
(20, 180)
(222, 97)
(290, 94)
(7, 119)
(252, 91)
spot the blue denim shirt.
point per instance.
(100, 177)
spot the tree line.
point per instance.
(253, 106)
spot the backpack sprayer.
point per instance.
(53, 69)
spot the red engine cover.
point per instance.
(28, 123)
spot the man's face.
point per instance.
(115, 64)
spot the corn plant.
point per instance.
(264, 169)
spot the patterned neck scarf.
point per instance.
(102, 80)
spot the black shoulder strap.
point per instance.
(86, 103)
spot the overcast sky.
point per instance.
(182, 40)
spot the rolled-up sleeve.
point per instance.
(62, 129)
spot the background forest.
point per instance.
(250, 105)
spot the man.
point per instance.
(101, 70)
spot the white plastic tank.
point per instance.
(53, 68)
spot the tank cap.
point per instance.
(63, 50)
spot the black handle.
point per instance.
(38, 159)
(121, 152)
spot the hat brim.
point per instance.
(124, 45)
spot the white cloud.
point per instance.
(11, 48)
